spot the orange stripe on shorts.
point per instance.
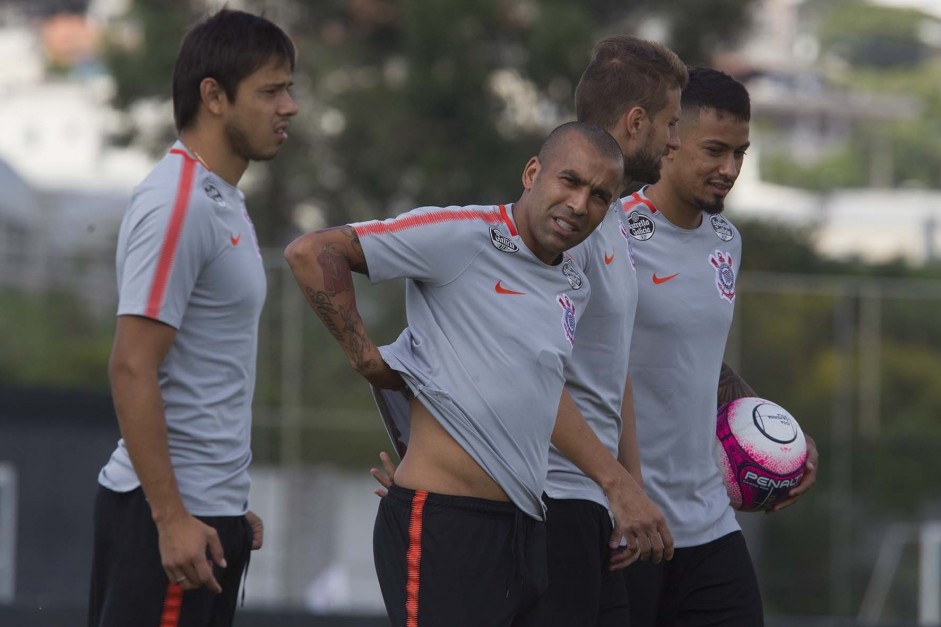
(172, 605)
(413, 558)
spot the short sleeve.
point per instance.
(165, 243)
(430, 244)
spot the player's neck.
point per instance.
(523, 220)
(673, 208)
(215, 155)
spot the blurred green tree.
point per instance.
(413, 102)
(879, 50)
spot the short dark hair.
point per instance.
(226, 46)
(597, 138)
(712, 89)
(626, 72)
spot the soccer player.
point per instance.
(173, 532)
(631, 87)
(492, 302)
(687, 257)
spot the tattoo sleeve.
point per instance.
(337, 277)
(322, 263)
(335, 302)
(357, 258)
(732, 386)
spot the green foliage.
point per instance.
(874, 36)
(788, 355)
(407, 89)
(791, 352)
(141, 54)
(844, 168)
(699, 28)
(917, 162)
(547, 60)
(345, 447)
(767, 247)
(861, 20)
(52, 340)
(880, 52)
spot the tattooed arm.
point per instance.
(732, 386)
(322, 263)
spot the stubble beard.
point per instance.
(643, 167)
(713, 208)
(240, 145)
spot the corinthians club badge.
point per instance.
(725, 274)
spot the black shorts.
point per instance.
(583, 591)
(128, 584)
(710, 584)
(451, 561)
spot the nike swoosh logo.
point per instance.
(658, 280)
(235, 239)
(502, 290)
(608, 260)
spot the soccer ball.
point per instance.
(761, 452)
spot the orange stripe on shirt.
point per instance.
(413, 558)
(172, 605)
(172, 237)
(509, 222)
(403, 223)
(637, 199)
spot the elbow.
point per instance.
(296, 252)
(120, 372)
(121, 380)
(128, 371)
(302, 252)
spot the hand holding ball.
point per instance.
(761, 452)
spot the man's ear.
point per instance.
(634, 120)
(212, 95)
(530, 172)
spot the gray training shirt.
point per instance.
(188, 257)
(597, 372)
(490, 328)
(686, 282)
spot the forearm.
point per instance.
(575, 439)
(323, 273)
(139, 407)
(638, 523)
(140, 346)
(732, 386)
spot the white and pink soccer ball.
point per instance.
(761, 452)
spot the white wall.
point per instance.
(318, 540)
